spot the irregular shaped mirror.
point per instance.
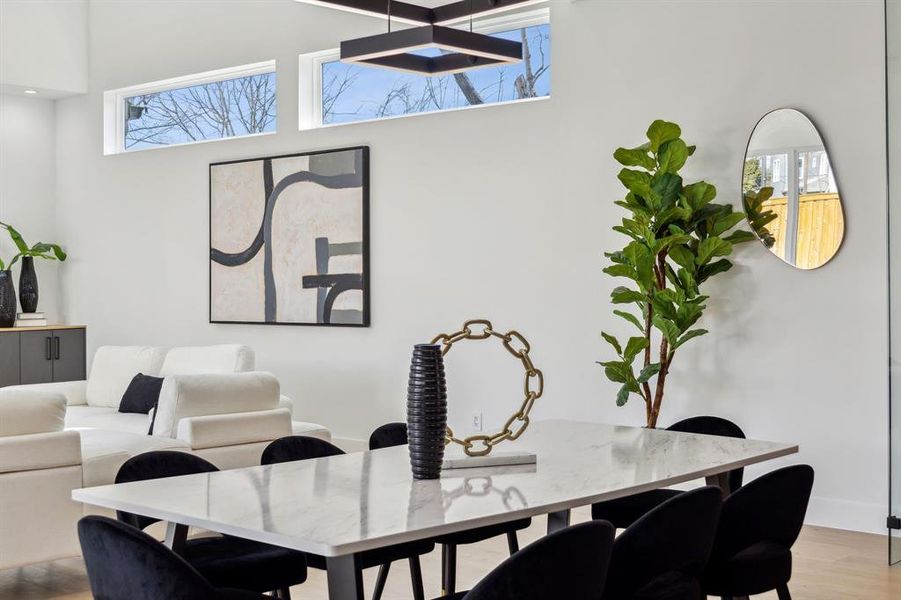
(790, 195)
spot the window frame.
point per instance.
(309, 113)
(114, 103)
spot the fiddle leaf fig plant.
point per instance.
(39, 250)
(678, 239)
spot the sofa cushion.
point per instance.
(24, 412)
(109, 419)
(141, 395)
(210, 394)
(104, 451)
(113, 369)
(222, 358)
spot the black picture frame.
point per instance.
(365, 242)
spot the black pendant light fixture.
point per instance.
(459, 50)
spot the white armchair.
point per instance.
(40, 465)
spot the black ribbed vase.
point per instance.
(7, 299)
(28, 286)
(426, 411)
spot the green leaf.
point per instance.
(17, 239)
(613, 342)
(634, 157)
(662, 131)
(622, 396)
(621, 271)
(710, 247)
(665, 188)
(648, 372)
(739, 237)
(633, 347)
(626, 231)
(682, 256)
(689, 335)
(687, 281)
(699, 194)
(707, 271)
(637, 182)
(725, 223)
(617, 371)
(663, 306)
(630, 318)
(622, 295)
(672, 156)
(669, 329)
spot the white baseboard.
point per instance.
(847, 514)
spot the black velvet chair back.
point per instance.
(124, 563)
(156, 465)
(669, 545)
(298, 447)
(388, 435)
(571, 563)
(769, 509)
(714, 426)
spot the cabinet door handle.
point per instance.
(56, 351)
(48, 350)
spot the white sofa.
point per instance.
(40, 465)
(211, 404)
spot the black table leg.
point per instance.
(721, 480)
(176, 536)
(345, 577)
(558, 520)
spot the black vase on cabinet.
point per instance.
(28, 286)
(7, 299)
(426, 411)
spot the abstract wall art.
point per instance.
(289, 239)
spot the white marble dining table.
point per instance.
(340, 506)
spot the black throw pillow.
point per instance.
(142, 394)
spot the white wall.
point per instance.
(44, 46)
(504, 212)
(28, 185)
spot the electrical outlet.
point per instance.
(477, 421)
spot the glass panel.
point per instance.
(220, 109)
(893, 29)
(357, 93)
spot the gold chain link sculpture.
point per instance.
(518, 346)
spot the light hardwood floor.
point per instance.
(829, 565)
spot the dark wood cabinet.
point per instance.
(42, 355)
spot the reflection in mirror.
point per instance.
(791, 199)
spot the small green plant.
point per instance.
(679, 240)
(39, 250)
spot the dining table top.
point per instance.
(346, 504)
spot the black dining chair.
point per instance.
(570, 564)
(758, 526)
(622, 512)
(223, 560)
(124, 563)
(395, 434)
(298, 447)
(662, 555)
